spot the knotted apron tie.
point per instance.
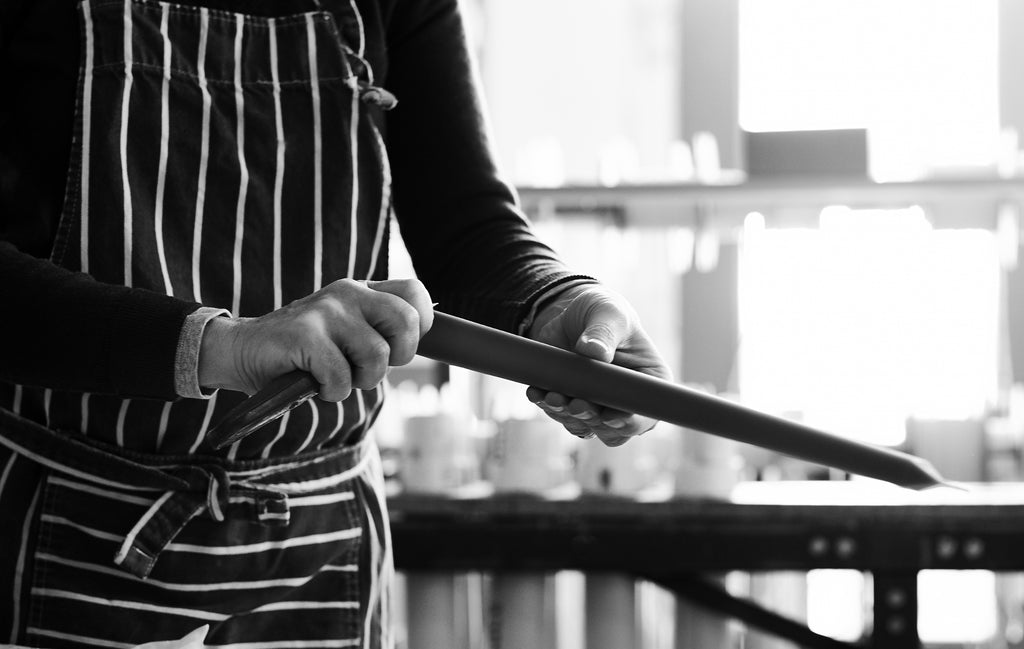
(188, 486)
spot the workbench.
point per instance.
(872, 527)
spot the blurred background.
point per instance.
(815, 207)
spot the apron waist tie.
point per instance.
(210, 489)
(188, 486)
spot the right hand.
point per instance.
(345, 335)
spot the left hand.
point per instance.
(596, 322)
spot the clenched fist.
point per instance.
(345, 335)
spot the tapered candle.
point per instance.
(473, 346)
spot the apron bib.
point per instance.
(227, 159)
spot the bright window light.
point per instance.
(947, 615)
(920, 75)
(835, 603)
(582, 91)
(870, 319)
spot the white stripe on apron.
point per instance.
(165, 134)
(315, 414)
(281, 428)
(162, 430)
(204, 154)
(318, 199)
(86, 137)
(84, 428)
(258, 584)
(83, 253)
(121, 414)
(20, 570)
(362, 33)
(201, 435)
(5, 474)
(243, 187)
(279, 169)
(354, 146)
(47, 399)
(138, 606)
(125, 185)
(385, 203)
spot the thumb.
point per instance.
(605, 328)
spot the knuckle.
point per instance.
(343, 286)
(417, 287)
(408, 320)
(309, 331)
(378, 352)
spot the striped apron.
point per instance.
(232, 160)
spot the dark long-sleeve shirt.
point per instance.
(470, 244)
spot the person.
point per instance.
(194, 199)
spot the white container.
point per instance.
(435, 456)
(612, 619)
(528, 455)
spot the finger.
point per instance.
(414, 293)
(582, 433)
(535, 394)
(606, 326)
(583, 410)
(612, 438)
(330, 369)
(614, 418)
(629, 426)
(555, 401)
(577, 428)
(367, 352)
(395, 321)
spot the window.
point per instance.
(870, 319)
(920, 75)
(578, 89)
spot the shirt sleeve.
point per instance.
(469, 241)
(186, 359)
(67, 331)
(58, 328)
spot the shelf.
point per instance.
(890, 532)
(983, 530)
(956, 202)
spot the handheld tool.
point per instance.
(476, 347)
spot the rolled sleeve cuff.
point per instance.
(186, 359)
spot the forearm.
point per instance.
(470, 243)
(64, 330)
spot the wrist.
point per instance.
(216, 368)
(555, 303)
